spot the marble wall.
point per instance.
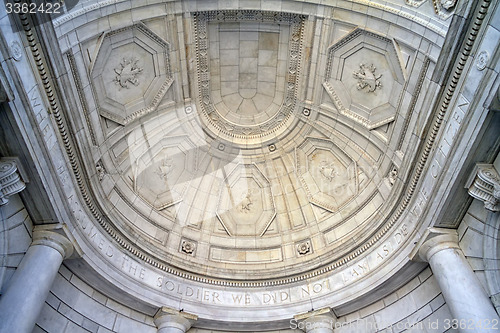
(74, 306)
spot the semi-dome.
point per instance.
(245, 162)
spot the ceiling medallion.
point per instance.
(127, 72)
(367, 78)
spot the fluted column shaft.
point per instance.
(23, 300)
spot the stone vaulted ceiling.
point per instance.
(235, 148)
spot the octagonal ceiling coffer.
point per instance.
(131, 73)
(162, 174)
(330, 177)
(246, 206)
(364, 78)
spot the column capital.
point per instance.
(484, 184)
(433, 241)
(11, 181)
(322, 319)
(53, 235)
(167, 317)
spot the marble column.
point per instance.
(319, 321)
(169, 320)
(468, 302)
(27, 291)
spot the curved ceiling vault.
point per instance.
(249, 158)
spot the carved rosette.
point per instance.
(484, 185)
(10, 180)
(393, 175)
(188, 246)
(304, 247)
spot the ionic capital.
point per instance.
(484, 185)
(10, 179)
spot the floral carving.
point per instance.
(100, 170)
(188, 247)
(127, 72)
(304, 248)
(393, 175)
(246, 203)
(328, 170)
(164, 169)
(367, 78)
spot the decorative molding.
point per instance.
(442, 8)
(16, 50)
(415, 3)
(81, 96)
(413, 102)
(10, 180)
(484, 184)
(6, 93)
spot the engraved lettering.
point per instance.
(237, 299)
(109, 251)
(169, 285)
(215, 296)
